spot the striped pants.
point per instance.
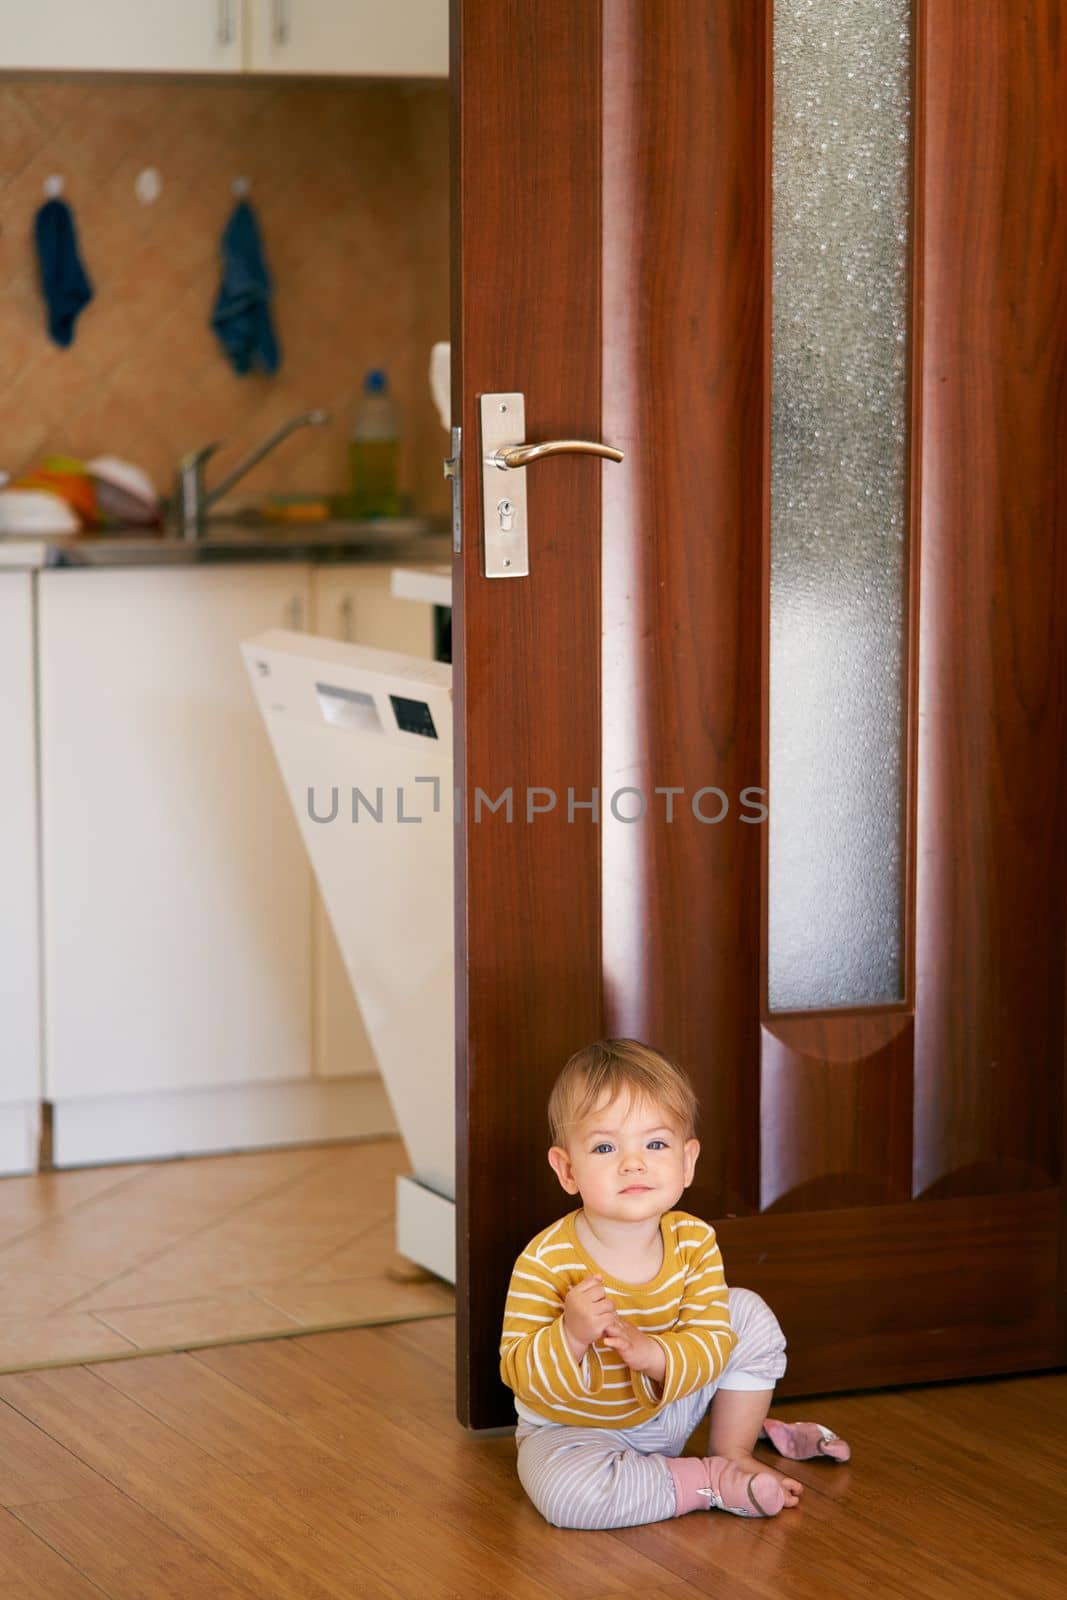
(618, 1477)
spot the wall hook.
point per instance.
(53, 185)
(240, 187)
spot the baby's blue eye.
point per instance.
(662, 1142)
(597, 1148)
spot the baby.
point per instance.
(620, 1331)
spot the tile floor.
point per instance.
(119, 1261)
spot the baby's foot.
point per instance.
(790, 1487)
(800, 1441)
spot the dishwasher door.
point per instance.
(363, 739)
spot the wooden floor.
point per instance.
(331, 1465)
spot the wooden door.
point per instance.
(887, 1175)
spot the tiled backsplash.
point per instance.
(350, 185)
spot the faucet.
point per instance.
(191, 500)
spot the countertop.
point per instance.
(430, 583)
(424, 540)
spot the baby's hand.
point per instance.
(587, 1311)
(641, 1353)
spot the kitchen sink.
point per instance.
(268, 541)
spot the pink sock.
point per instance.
(801, 1441)
(690, 1475)
(753, 1494)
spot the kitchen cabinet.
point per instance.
(352, 38)
(405, 39)
(20, 1064)
(354, 603)
(175, 890)
(123, 36)
(193, 995)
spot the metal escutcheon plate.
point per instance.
(503, 419)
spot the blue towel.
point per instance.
(241, 317)
(66, 287)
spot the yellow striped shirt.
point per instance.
(684, 1308)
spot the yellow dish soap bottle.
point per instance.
(373, 448)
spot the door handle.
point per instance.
(503, 419)
(520, 455)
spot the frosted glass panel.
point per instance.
(842, 87)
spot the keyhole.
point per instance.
(506, 512)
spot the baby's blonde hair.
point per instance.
(606, 1068)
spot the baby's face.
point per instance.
(627, 1161)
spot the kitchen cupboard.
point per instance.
(20, 1064)
(350, 38)
(123, 36)
(356, 603)
(176, 896)
(353, 603)
(406, 39)
(194, 998)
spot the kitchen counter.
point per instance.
(402, 539)
(432, 584)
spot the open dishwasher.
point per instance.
(363, 738)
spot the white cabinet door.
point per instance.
(361, 38)
(354, 603)
(20, 1066)
(122, 35)
(176, 891)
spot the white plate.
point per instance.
(36, 511)
(125, 476)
